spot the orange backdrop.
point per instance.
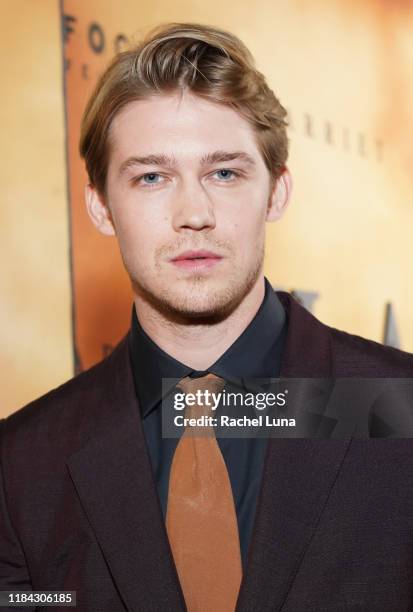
(342, 68)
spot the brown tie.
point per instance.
(201, 519)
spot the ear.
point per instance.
(99, 211)
(280, 196)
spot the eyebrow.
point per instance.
(165, 160)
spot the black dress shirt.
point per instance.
(256, 353)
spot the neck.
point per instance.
(199, 345)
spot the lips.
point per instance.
(196, 260)
(196, 255)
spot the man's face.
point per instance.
(187, 200)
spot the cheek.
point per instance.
(140, 236)
(252, 236)
(249, 226)
(135, 222)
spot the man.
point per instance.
(185, 148)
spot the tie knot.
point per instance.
(202, 404)
(209, 382)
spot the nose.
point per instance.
(192, 208)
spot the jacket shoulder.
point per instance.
(321, 347)
(67, 402)
(358, 356)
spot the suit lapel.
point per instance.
(297, 478)
(113, 478)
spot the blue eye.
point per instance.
(151, 174)
(224, 170)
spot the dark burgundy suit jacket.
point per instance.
(79, 508)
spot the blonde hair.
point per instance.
(211, 63)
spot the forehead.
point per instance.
(186, 124)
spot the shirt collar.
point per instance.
(252, 355)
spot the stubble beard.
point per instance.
(184, 309)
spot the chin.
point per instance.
(199, 302)
(206, 302)
(198, 298)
